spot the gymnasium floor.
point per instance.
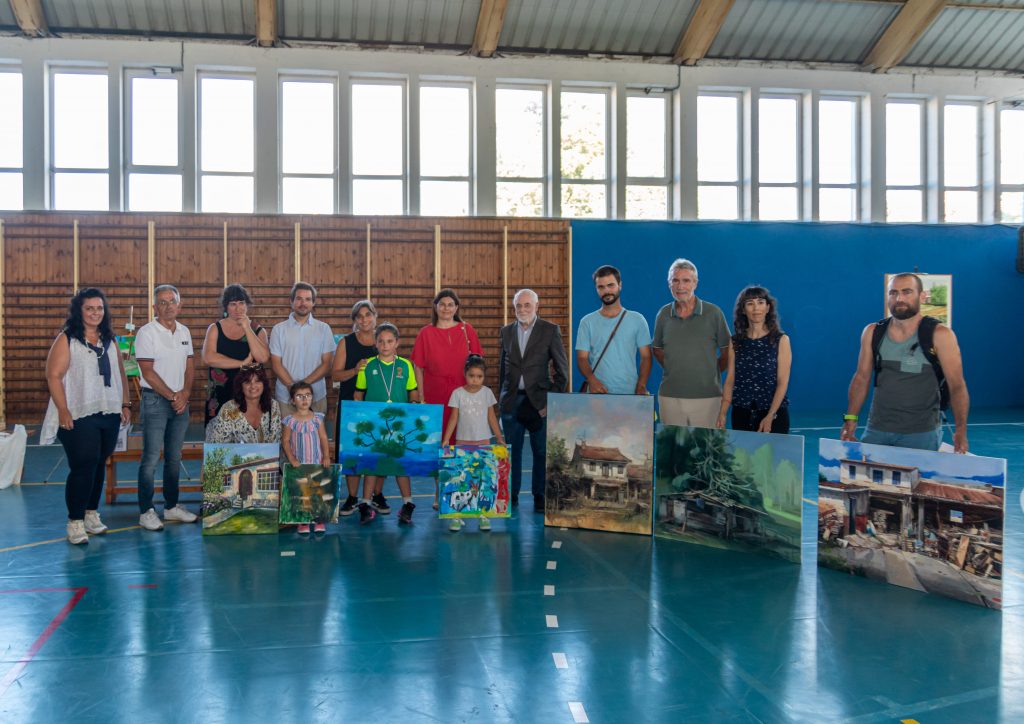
(524, 624)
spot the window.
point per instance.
(778, 158)
(853, 471)
(267, 480)
(520, 120)
(897, 477)
(838, 176)
(11, 141)
(584, 145)
(227, 143)
(153, 167)
(1011, 165)
(718, 156)
(647, 183)
(904, 160)
(79, 151)
(378, 148)
(961, 160)
(308, 159)
(876, 476)
(445, 149)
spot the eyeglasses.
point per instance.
(254, 367)
(304, 396)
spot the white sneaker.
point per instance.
(76, 532)
(179, 514)
(93, 524)
(485, 523)
(150, 521)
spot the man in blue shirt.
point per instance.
(301, 348)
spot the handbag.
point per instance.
(585, 387)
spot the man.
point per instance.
(692, 344)
(912, 357)
(615, 356)
(301, 348)
(529, 348)
(163, 349)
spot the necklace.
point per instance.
(388, 385)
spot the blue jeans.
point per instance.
(929, 440)
(87, 446)
(161, 427)
(514, 436)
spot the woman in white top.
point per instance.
(88, 403)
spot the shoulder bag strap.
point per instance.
(610, 338)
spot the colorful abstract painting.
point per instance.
(930, 521)
(387, 438)
(730, 489)
(600, 462)
(473, 482)
(309, 493)
(241, 488)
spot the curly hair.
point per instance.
(741, 325)
(234, 293)
(244, 375)
(74, 325)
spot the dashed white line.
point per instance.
(552, 621)
(287, 554)
(552, 565)
(560, 661)
(579, 714)
(549, 590)
(557, 544)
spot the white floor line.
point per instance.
(579, 714)
(557, 544)
(552, 565)
(560, 661)
(551, 621)
(549, 590)
(287, 554)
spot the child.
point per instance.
(472, 418)
(304, 437)
(387, 378)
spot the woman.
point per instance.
(88, 403)
(252, 415)
(232, 343)
(759, 367)
(353, 352)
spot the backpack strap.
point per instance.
(926, 338)
(877, 335)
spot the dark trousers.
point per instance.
(515, 434)
(750, 420)
(87, 446)
(163, 428)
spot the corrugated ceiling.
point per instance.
(966, 38)
(417, 22)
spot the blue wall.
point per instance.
(829, 280)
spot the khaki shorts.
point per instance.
(690, 412)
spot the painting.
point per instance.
(938, 296)
(925, 520)
(473, 482)
(241, 488)
(387, 438)
(600, 462)
(730, 489)
(309, 493)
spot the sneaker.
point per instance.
(405, 514)
(380, 503)
(366, 514)
(319, 528)
(455, 525)
(179, 514)
(515, 500)
(76, 532)
(303, 528)
(93, 524)
(349, 506)
(150, 521)
(485, 523)
(538, 503)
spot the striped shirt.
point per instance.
(305, 438)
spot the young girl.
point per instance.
(304, 437)
(472, 418)
(387, 378)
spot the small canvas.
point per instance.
(938, 296)
(241, 488)
(730, 489)
(600, 462)
(388, 438)
(309, 493)
(930, 521)
(473, 482)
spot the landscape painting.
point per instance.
(600, 462)
(930, 521)
(309, 493)
(938, 296)
(241, 488)
(388, 438)
(730, 489)
(473, 482)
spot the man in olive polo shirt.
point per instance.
(692, 345)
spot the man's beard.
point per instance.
(609, 302)
(906, 312)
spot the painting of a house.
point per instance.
(241, 488)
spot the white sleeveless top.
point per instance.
(84, 389)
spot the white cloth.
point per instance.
(472, 406)
(84, 389)
(169, 351)
(12, 456)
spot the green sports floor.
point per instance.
(523, 624)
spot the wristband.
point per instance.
(126, 404)
(849, 418)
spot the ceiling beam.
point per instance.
(700, 33)
(488, 27)
(903, 32)
(266, 23)
(30, 17)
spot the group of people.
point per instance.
(915, 363)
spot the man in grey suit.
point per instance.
(529, 348)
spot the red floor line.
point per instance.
(19, 666)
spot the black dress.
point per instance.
(222, 382)
(355, 352)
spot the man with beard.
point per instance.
(913, 358)
(610, 339)
(301, 349)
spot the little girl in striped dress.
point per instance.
(304, 436)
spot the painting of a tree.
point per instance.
(390, 438)
(701, 460)
(214, 469)
(385, 439)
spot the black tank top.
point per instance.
(354, 352)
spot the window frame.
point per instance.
(129, 167)
(405, 175)
(922, 185)
(801, 181)
(51, 136)
(1014, 106)
(856, 185)
(976, 189)
(470, 178)
(666, 179)
(200, 75)
(609, 150)
(544, 180)
(332, 80)
(19, 170)
(738, 184)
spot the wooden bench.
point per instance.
(189, 451)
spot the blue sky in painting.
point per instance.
(625, 422)
(967, 469)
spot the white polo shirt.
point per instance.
(169, 351)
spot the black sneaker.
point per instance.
(380, 503)
(405, 514)
(366, 514)
(350, 505)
